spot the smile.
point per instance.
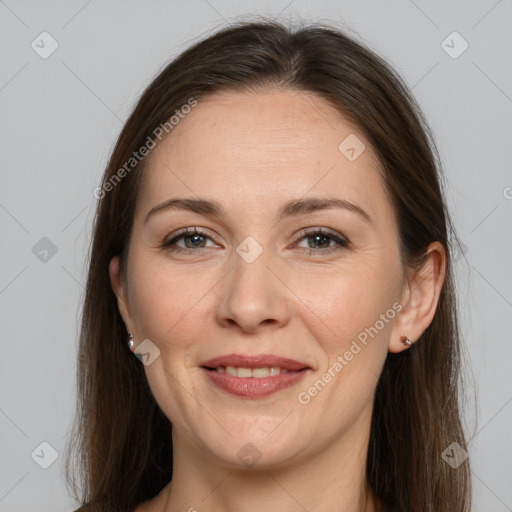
(254, 376)
(257, 373)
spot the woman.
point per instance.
(271, 243)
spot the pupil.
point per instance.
(321, 240)
(194, 239)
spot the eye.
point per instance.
(189, 239)
(313, 241)
(321, 241)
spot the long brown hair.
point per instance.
(121, 450)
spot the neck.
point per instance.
(332, 479)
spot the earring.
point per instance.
(130, 342)
(405, 340)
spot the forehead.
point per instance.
(240, 148)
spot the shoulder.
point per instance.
(98, 507)
(92, 508)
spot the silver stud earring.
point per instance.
(130, 342)
(405, 340)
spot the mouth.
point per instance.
(254, 376)
(256, 373)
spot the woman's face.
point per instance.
(290, 261)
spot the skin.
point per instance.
(252, 153)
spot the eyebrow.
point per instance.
(291, 208)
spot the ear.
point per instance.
(420, 296)
(119, 288)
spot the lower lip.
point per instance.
(252, 387)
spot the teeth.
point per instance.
(261, 372)
(231, 370)
(244, 372)
(257, 373)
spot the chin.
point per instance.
(256, 456)
(257, 444)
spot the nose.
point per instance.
(253, 297)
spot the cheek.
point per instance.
(164, 297)
(352, 324)
(348, 302)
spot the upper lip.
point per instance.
(254, 361)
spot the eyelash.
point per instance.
(305, 233)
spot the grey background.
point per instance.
(58, 122)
